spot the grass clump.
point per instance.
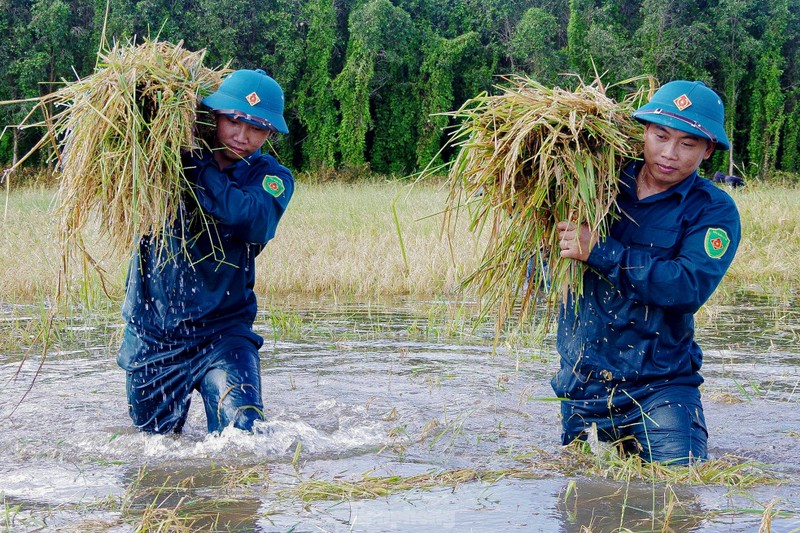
(727, 470)
(527, 158)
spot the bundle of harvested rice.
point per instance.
(527, 158)
(119, 134)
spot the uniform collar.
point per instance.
(241, 166)
(628, 183)
(249, 160)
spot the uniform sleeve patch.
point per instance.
(273, 185)
(717, 242)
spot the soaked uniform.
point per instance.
(189, 316)
(629, 348)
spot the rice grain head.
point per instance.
(527, 158)
(119, 135)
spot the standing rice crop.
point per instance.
(118, 135)
(527, 158)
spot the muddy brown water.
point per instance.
(390, 389)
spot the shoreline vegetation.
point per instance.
(369, 240)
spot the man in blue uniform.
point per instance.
(190, 305)
(629, 361)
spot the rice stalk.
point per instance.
(726, 470)
(372, 487)
(118, 135)
(527, 158)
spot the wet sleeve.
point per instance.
(251, 212)
(684, 281)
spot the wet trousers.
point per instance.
(665, 426)
(160, 379)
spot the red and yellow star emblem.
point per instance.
(682, 102)
(253, 98)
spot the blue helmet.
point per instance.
(688, 106)
(250, 96)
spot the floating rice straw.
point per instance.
(527, 158)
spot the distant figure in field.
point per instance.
(733, 181)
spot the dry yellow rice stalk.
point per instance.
(119, 134)
(527, 158)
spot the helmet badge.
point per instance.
(682, 102)
(252, 98)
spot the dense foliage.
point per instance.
(366, 79)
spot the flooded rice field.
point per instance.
(383, 417)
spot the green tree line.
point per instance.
(367, 81)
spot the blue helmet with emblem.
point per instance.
(250, 96)
(688, 106)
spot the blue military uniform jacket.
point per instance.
(175, 298)
(633, 329)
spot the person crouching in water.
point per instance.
(189, 305)
(629, 361)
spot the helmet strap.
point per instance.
(696, 125)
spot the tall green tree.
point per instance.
(578, 51)
(43, 43)
(168, 20)
(50, 51)
(735, 51)
(280, 52)
(442, 60)
(19, 77)
(316, 107)
(165, 19)
(118, 19)
(533, 47)
(395, 103)
(352, 87)
(613, 56)
(375, 72)
(230, 30)
(767, 102)
(790, 141)
(673, 40)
